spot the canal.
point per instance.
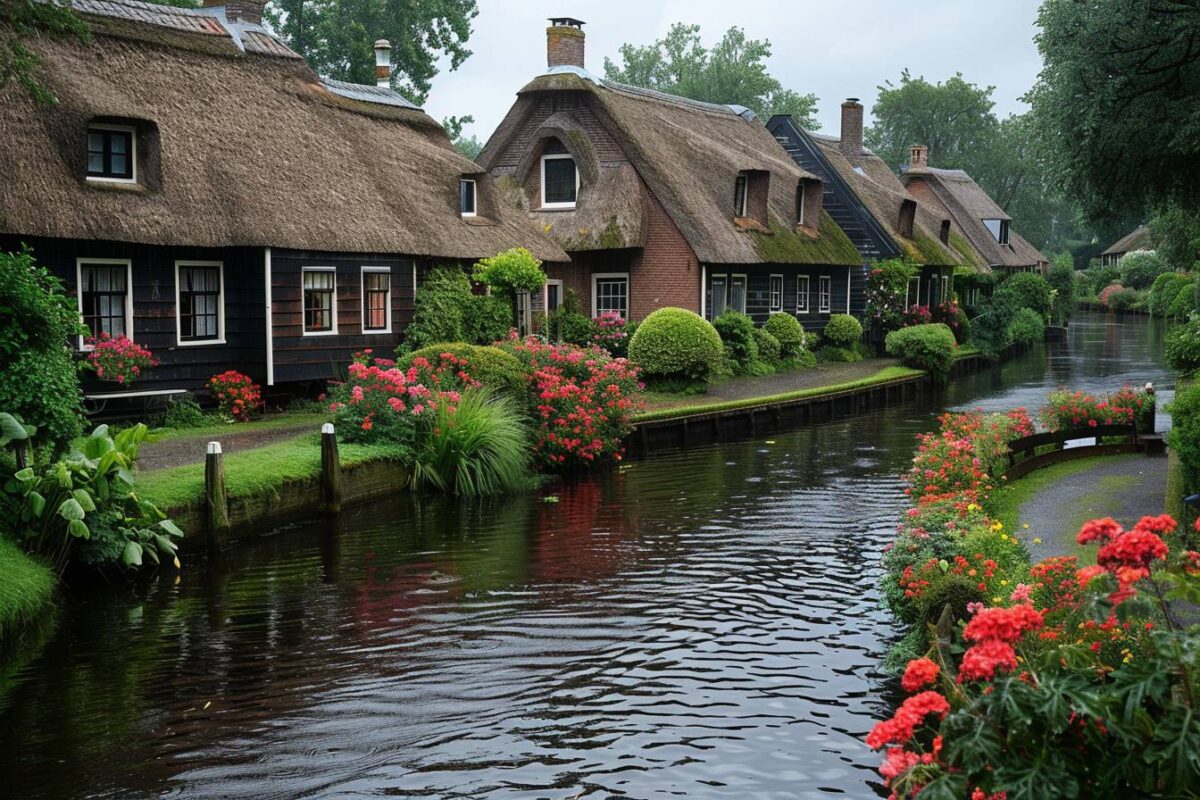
(701, 624)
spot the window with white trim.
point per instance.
(560, 178)
(200, 301)
(802, 289)
(825, 294)
(945, 289)
(739, 194)
(718, 286)
(320, 300)
(104, 302)
(776, 293)
(912, 293)
(554, 295)
(726, 293)
(111, 153)
(611, 293)
(466, 197)
(377, 299)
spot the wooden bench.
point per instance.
(96, 402)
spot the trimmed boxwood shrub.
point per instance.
(676, 345)
(1028, 327)
(737, 335)
(843, 330)
(788, 331)
(1182, 347)
(1184, 436)
(928, 347)
(1184, 302)
(491, 366)
(768, 346)
(1163, 292)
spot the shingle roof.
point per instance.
(242, 148)
(1136, 239)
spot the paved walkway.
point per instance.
(795, 380)
(190, 449)
(1125, 488)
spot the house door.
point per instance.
(524, 313)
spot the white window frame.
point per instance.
(179, 340)
(745, 291)
(712, 305)
(133, 171)
(807, 280)
(825, 294)
(771, 304)
(79, 262)
(474, 197)
(596, 277)
(744, 180)
(945, 289)
(546, 294)
(542, 184)
(304, 311)
(362, 298)
(908, 292)
(801, 192)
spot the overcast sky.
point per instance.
(834, 49)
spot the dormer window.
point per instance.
(466, 197)
(908, 214)
(560, 178)
(111, 153)
(944, 233)
(800, 204)
(998, 229)
(739, 195)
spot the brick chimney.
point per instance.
(918, 156)
(852, 128)
(564, 42)
(250, 11)
(383, 63)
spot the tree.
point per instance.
(20, 21)
(1117, 104)
(1175, 233)
(466, 146)
(337, 37)
(732, 73)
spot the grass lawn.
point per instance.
(26, 588)
(260, 471)
(882, 376)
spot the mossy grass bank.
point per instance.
(26, 589)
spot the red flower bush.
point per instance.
(919, 673)
(1067, 410)
(380, 401)
(610, 331)
(236, 394)
(911, 713)
(917, 315)
(118, 360)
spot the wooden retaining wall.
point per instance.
(1043, 449)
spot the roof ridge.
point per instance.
(654, 94)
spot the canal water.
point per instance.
(700, 624)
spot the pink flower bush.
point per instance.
(380, 401)
(118, 359)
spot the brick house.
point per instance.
(973, 214)
(665, 201)
(869, 203)
(199, 189)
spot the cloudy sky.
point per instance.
(833, 48)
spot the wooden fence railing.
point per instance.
(1042, 449)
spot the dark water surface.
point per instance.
(698, 624)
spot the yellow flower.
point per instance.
(998, 525)
(1037, 540)
(972, 507)
(997, 599)
(1025, 525)
(1004, 582)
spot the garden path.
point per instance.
(190, 448)
(1125, 488)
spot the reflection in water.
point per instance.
(701, 624)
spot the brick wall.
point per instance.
(564, 46)
(666, 272)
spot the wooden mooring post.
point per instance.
(215, 500)
(331, 473)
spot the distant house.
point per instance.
(201, 191)
(1137, 239)
(664, 201)
(867, 201)
(973, 214)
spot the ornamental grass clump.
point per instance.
(475, 447)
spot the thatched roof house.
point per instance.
(667, 190)
(975, 215)
(1137, 239)
(195, 135)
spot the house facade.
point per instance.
(199, 189)
(867, 201)
(973, 215)
(665, 201)
(1137, 239)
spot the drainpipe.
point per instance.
(703, 277)
(267, 296)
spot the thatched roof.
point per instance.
(970, 205)
(884, 196)
(244, 145)
(1137, 239)
(689, 155)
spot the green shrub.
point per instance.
(848, 355)
(1182, 347)
(1061, 277)
(768, 346)
(1163, 291)
(440, 304)
(1028, 290)
(990, 329)
(1098, 277)
(1028, 327)
(512, 271)
(1184, 436)
(1184, 302)
(40, 379)
(1141, 267)
(928, 347)
(956, 591)
(737, 335)
(789, 333)
(676, 345)
(962, 330)
(1120, 298)
(184, 412)
(486, 318)
(569, 324)
(843, 330)
(491, 366)
(479, 447)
